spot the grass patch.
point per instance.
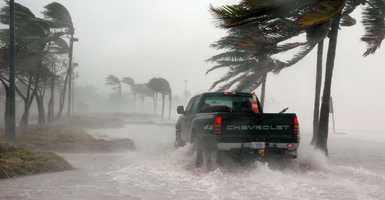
(68, 140)
(19, 161)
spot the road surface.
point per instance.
(156, 171)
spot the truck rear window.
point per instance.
(226, 104)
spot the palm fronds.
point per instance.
(59, 15)
(373, 19)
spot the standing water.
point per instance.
(355, 170)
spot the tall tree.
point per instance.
(251, 53)
(115, 83)
(311, 15)
(142, 91)
(162, 87)
(321, 141)
(61, 19)
(317, 91)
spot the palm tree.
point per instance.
(155, 85)
(143, 91)
(251, 52)
(115, 83)
(373, 20)
(34, 36)
(310, 15)
(61, 18)
(317, 91)
(161, 86)
(129, 82)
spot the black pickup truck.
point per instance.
(220, 122)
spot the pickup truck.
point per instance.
(224, 122)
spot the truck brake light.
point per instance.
(218, 125)
(296, 126)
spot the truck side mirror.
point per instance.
(180, 110)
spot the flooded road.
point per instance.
(355, 170)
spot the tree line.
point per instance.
(259, 32)
(44, 61)
(154, 88)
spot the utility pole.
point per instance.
(12, 74)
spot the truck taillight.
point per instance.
(218, 125)
(296, 126)
(254, 104)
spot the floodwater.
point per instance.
(355, 170)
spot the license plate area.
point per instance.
(258, 145)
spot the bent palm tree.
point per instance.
(162, 86)
(115, 82)
(60, 18)
(305, 15)
(251, 52)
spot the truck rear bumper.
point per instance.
(248, 145)
(269, 150)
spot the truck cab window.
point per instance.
(227, 103)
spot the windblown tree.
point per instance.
(115, 83)
(161, 86)
(34, 38)
(61, 21)
(373, 20)
(142, 91)
(130, 82)
(39, 63)
(250, 54)
(298, 16)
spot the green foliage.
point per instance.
(258, 31)
(59, 16)
(128, 80)
(112, 80)
(373, 16)
(17, 162)
(159, 85)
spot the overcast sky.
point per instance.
(170, 39)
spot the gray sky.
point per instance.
(170, 39)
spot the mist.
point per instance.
(120, 143)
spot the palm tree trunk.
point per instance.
(62, 97)
(163, 104)
(40, 109)
(317, 91)
(155, 98)
(51, 103)
(28, 99)
(263, 91)
(120, 91)
(324, 116)
(70, 72)
(169, 105)
(24, 121)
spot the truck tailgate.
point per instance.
(253, 127)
